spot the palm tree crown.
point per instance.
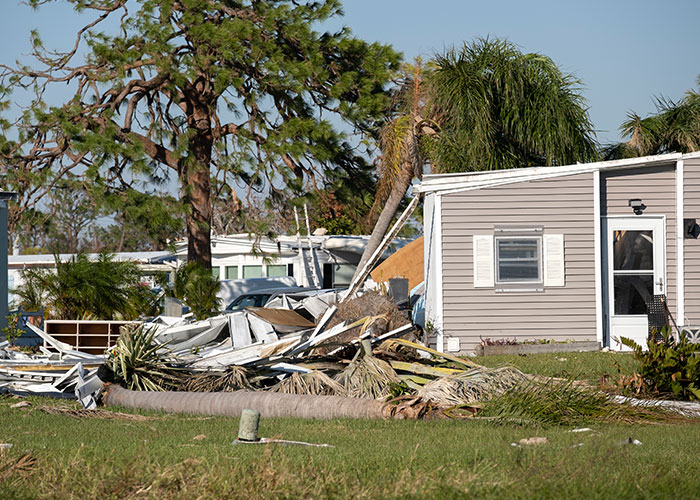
(501, 108)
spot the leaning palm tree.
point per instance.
(675, 127)
(485, 106)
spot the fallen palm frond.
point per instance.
(99, 414)
(368, 377)
(233, 379)
(478, 384)
(396, 344)
(411, 408)
(140, 363)
(558, 403)
(422, 369)
(11, 466)
(315, 383)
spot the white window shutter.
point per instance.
(554, 260)
(483, 261)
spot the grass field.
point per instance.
(180, 456)
(589, 366)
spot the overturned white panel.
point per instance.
(216, 325)
(239, 328)
(263, 331)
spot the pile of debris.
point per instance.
(361, 348)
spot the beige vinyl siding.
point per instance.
(656, 187)
(691, 209)
(562, 206)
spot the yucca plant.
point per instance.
(140, 363)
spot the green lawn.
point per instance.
(589, 366)
(160, 458)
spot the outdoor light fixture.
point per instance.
(637, 206)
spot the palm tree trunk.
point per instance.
(269, 404)
(398, 190)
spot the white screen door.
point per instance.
(636, 271)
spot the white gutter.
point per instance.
(680, 250)
(468, 182)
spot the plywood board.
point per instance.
(404, 263)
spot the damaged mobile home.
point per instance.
(580, 252)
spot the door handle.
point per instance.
(660, 284)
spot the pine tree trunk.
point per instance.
(195, 176)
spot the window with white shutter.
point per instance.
(519, 259)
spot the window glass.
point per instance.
(252, 272)
(277, 270)
(231, 272)
(342, 274)
(216, 272)
(518, 260)
(633, 250)
(632, 292)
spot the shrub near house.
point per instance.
(81, 288)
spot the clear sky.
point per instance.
(624, 51)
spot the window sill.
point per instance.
(519, 289)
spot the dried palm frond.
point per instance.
(315, 383)
(368, 377)
(19, 465)
(474, 385)
(233, 379)
(564, 403)
(98, 414)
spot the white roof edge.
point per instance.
(533, 173)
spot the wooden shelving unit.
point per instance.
(91, 337)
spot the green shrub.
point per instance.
(195, 285)
(669, 367)
(12, 331)
(81, 288)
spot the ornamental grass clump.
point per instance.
(140, 363)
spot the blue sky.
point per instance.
(625, 52)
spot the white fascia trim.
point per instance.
(598, 258)
(437, 232)
(534, 173)
(680, 241)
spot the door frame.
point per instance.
(606, 249)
